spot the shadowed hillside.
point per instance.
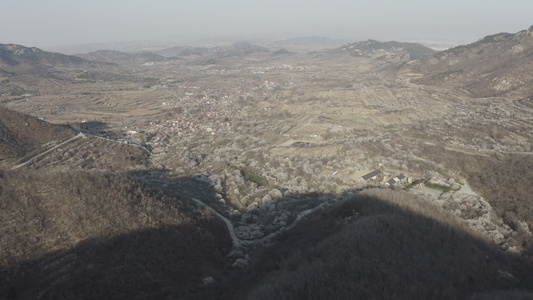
(95, 235)
(88, 235)
(381, 244)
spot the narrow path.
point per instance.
(422, 159)
(231, 229)
(237, 241)
(49, 150)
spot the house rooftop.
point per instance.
(418, 181)
(371, 174)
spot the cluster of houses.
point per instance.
(436, 179)
(262, 70)
(217, 117)
(431, 179)
(377, 176)
(183, 125)
(209, 110)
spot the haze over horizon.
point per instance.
(61, 22)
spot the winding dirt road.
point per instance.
(231, 229)
(238, 241)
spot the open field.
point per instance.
(327, 151)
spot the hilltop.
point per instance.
(24, 70)
(384, 50)
(21, 60)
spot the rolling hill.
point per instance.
(497, 65)
(382, 50)
(22, 135)
(109, 56)
(236, 49)
(308, 43)
(20, 60)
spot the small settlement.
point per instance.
(387, 179)
(432, 179)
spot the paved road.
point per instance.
(80, 135)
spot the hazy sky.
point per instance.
(45, 23)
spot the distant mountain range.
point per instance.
(236, 49)
(308, 43)
(110, 56)
(392, 49)
(496, 65)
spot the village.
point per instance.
(306, 131)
